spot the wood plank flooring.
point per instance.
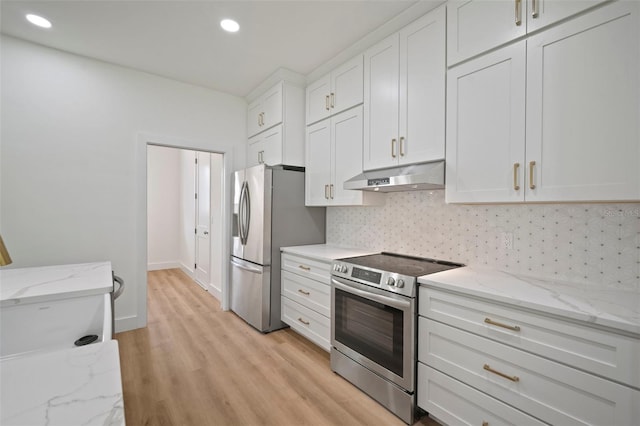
(195, 364)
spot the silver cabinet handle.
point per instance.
(393, 148)
(303, 321)
(534, 6)
(518, 12)
(402, 146)
(331, 191)
(206, 232)
(491, 370)
(532, 184)
(326, 103)
(306, 293)
(516, 166)
(326, 192)
(333, 99)
(499, 324)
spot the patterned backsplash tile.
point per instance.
(595, 244)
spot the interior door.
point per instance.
(203, 218)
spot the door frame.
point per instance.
(145, 139)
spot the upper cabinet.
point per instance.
(266, 111)
(553, 117)
(334, 154)
(335, 92)
(476, 26)
(404, 95)
(275, 125)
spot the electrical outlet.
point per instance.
(507, 240)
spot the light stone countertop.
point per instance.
(30, 285)
(79, 386)
(326, 251)
(608, 307)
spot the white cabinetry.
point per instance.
(404, 95)
(335, 92)
(275, 125)
(334, 154)
(306, 297)
(558, 370)
(576, 86)
(476, 26)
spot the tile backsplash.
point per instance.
(596, 244)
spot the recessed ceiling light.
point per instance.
(39, 21)
(229, 25)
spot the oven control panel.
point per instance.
(384, 280)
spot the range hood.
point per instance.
(415, 177)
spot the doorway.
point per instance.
(185, 213)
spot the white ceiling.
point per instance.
(182, 39)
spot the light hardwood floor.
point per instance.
(195, 364)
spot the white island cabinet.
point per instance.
(500, 349)
(306, 289)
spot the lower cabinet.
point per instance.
(483, 376)
(306, 297)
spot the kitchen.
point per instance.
(592, 244)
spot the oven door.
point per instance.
(374, 328)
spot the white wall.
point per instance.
(73, 158)
(163, 207)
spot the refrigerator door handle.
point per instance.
(245, 267)
(247, 197)
(241, 216)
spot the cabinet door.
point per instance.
(346, 136)
(347, 85)
(381, 80)
(272, 107)
(254, 118)
(545, 12)
(318, 164)
(422, 89)
(485, 127)
(583, 107)
(475, 26)
(272, 146)
(318, 102)
(255, 151)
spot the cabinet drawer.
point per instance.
(453, 402)
(608, 354)
(549, 391)
(307, 267)
(308, 323)
(309, 293)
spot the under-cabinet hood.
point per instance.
(414, 177)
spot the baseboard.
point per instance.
(126, 323)
(215, 292)
(162, 265)
(187, 270)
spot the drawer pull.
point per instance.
(306, 293)
(491, 370)
(303, 321)
(305, 268)
(499, 324)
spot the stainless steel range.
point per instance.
(374, 325)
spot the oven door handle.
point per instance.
(394, 303)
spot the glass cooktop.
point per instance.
(401, 264)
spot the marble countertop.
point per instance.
(609, 307)
(326, 251)
(30, 285)
(79, 386)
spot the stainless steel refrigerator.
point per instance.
(268, 213)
